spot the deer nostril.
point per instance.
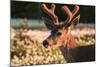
(45, 43)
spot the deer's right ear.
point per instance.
(49, 24)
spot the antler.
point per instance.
(71, 14)
(51, 13)
(70, 20)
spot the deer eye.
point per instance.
(58, 33)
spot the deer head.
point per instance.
(60, 34)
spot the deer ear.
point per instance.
(75, 21)
(49, 24)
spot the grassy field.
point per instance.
(27, 49)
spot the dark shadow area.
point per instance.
(85, 53)
(80, 54)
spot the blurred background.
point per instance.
(28, 11)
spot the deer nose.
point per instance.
(45, 43)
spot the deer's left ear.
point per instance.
(75, 21)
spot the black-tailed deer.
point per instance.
(60, 34)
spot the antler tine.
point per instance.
(51, 12)
(76, 9)
(69, 13)
(53, 7)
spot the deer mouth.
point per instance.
(45, 43)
